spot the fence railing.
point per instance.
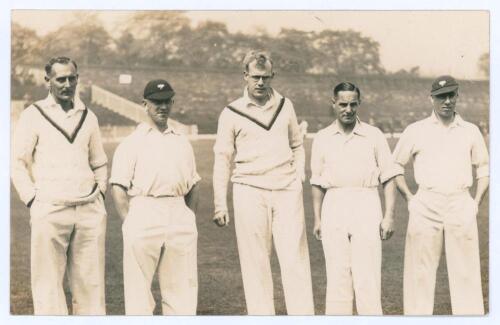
(131, 110)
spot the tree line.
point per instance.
(168, 39)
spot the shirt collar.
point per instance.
(457, 120)
(269, 104)
(359, 129)
(146, 128)
(50, 103)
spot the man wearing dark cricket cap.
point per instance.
(154, 187)
(444, 148)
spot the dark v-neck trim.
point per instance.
(71, 138)
(259, 123)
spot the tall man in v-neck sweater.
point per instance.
(59, 170)
(260, 129)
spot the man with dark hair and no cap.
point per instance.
(444, 148)
(155, 189)
(260, 130)
(349, 160)
(59, 170)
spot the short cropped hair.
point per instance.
(346, 86)
(261, 56)
(58, 59)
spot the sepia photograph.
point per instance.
(249, 162)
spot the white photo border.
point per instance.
(494, 223)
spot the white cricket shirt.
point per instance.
(443, 155)
(153, 163)
(359, 159)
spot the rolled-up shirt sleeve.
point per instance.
(23, 145)
(480, 157)
(388, 168)
(296, 138)
(403, 151)
(124, 160)
(223, 152)
(317, 162)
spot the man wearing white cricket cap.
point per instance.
(444, 148)
(155, 189)
(349, 160)
(59, 170)
(260, 129)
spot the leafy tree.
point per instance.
(159, 35)
(206, 45)
(128, 49)
(346, 53)
(24, 50)
(84, 39)
(24, 46)
(292, 50)
(166, 38)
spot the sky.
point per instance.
(440, 42)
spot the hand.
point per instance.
(221, 218)
(317, 230)
(386, 228)
(122, 211)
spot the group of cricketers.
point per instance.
(59, 169)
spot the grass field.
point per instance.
(220, 284)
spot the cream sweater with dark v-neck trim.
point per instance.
(58, 156)
(267, 145)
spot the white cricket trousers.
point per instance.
(68, 238)
(350, 220)
(160, 234)
(435, 217)
(261, 216)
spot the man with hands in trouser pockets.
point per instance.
(444, 148)
(59, 169)
(155, 189)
